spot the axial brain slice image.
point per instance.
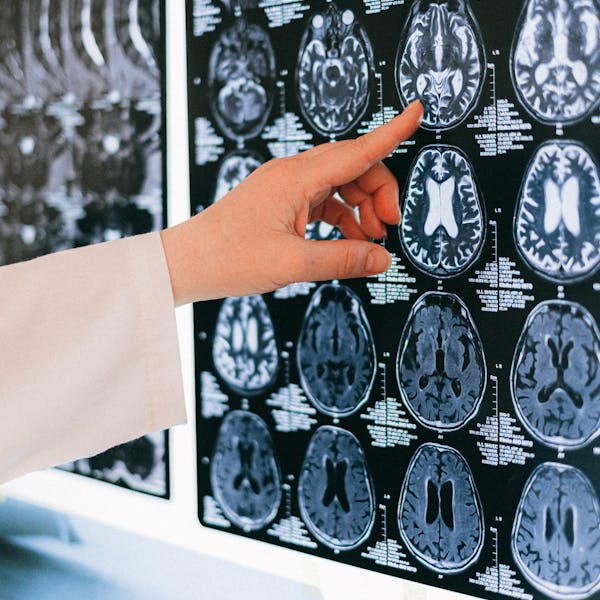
(441, 61)
(241, 79)
(556, 533)
(442, 229)
(244, 473)
(439, 513)
(556, 59)
(234, 168)
(335, 71)
(336, 352)
(244, 346)
(441, 366)
(335, 492)
(557, 220)
(555, 376)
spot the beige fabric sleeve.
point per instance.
(89, 356)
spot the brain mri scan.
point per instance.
(555, 376)
(557, 221)
(336, 352)
(556, 533)
(441, 366)
(321, 231)
(335, 71)
(442, 228)
(439, 513)
(441, 61)
(241, 79)
(556, 59)
(234, 168)
(244, 346)
(335, 491)
(244, 472)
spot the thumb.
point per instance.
(339, 259)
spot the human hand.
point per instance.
(253, 240)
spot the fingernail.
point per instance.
(378, 261)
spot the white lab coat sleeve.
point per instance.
(89, 356)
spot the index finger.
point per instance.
(345, 162)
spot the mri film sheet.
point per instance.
(440, 422)
(82, 152)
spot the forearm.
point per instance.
(89, 356)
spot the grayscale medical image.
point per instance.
(234, 168)
(321, 231)
(80, 123)
(335, 71)
(555, 62)
(441, 61)
(241, 80)
(139, 465)
(555, 378)
(439, 513)
(441, 366)
(335, 491)
(557, 220)
(336, 353)
(244, 472)
(442, 229)
(556, 533)
(244, 347)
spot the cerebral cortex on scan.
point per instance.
(336, 352)
(439, 513)
(556, 532)
(244, 346)
(441, 61)
(335, 69)
(556, 374)
(556, 59)
(244, 471)
(241, 80)
(557, 222)
(441, 366)
(442, 227)
(335, 491)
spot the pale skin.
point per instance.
(252, 240)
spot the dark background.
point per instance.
(499, 179)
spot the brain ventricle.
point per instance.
(556, 532)
(556, 59)
(556, 375)
(439, 513)
(441, 61)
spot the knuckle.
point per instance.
(349, 259)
